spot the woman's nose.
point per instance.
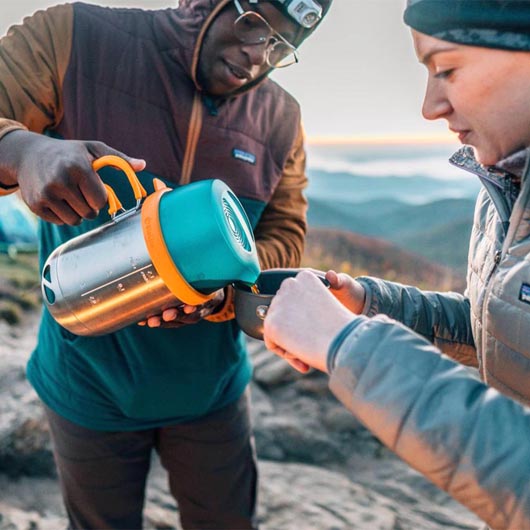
(436, 105)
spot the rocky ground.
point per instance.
(319, 468)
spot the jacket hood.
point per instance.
(184, 28)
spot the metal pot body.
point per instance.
(104, 280)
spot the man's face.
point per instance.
(225, 63)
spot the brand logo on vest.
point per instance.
(244, 156)
(524, 293)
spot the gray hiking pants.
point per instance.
(210, 462)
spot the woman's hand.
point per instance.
(348, 291)
(302, 321)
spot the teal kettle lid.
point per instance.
(208, 235)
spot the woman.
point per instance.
(467, 437)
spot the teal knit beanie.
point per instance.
(501, 24)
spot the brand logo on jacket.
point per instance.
(244, 156)
(524, 293)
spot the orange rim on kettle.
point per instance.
(159, 253)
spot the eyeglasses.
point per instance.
(251, 28)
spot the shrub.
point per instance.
(10, 311)
(19, 286)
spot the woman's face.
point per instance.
(483, 93)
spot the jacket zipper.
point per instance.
(194, 130)
(503, 210)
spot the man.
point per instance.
(187, 90)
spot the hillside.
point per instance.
(361, 255)
(19, 286)
(404, 184)
(438, 230)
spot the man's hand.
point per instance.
(184, 315)
(55, 177)
(302, 321)
(348, 291)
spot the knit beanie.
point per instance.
(501, 24)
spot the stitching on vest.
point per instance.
(507, 389)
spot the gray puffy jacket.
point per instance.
(466, 437)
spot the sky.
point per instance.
(358, 77)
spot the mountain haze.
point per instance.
(358, 255)
(438, 230)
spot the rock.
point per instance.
(29, 503)
(291, 497)
(287, 428)
(260, 402)
(295, 496)
(15, 519)
(340, 420)
(314, 384)
(297, 443)
(319, 468)
(274, 372)
(25, 447)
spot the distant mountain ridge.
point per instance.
(407, 195)
(438, 230)
(418, 189)
(357, 255)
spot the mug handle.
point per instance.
(119, 163)
(261, 310)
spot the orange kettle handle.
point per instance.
(119, 163)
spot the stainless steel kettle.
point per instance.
(136, 265)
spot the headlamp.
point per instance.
(306, 13)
